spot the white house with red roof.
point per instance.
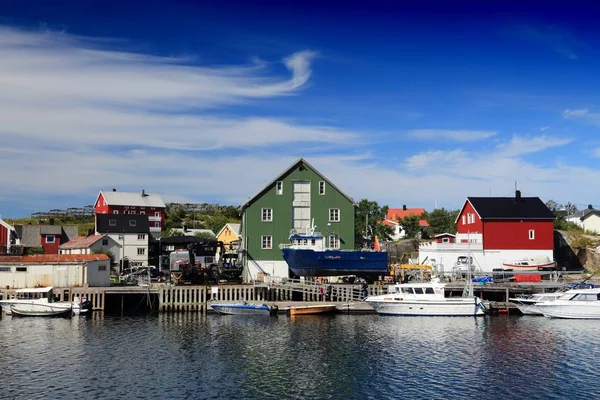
(495, 232)
(395, 214)
(91, 244)
(60, 270)
(140, 203)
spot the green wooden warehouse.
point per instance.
(293, 201)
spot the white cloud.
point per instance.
(575, 113)
(544, 128)
(520, 145)
(462, 135)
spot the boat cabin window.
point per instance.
(585, 297)
(418, 290)
(429, 290)
(407, 290)
(439, 291)
(313, 242)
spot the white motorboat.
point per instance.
(426, 299)
(574, 304)
(527, 304)
(41, 300)
(41, 309)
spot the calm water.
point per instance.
(336, 357)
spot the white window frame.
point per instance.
(105, 242)
(445, 240)
(464, 220)
(141, 236)
(112, 222)
(279, 188)
(50, 241)
(132, 212)
(157, 224)
(333, 242)
(142, 212)
(132, 222)
(115, 211)
(141, 251)
(266, 215)
(532, 234)
(321, 188)
(334, 215)
(157, 214)
(266, 242)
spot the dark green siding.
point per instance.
(253, 227)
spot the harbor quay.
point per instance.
(168, 298)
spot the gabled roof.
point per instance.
(445, 234)
(296, 164)
(83, 242)
(54, 258)
(509, 208)
(234, 228)
(393, 214)
(30, 235)
(590, 213)
(122, 223)
(138, 199)
(583, 214)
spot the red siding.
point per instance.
(514, 235)
(3, 239)
(440, 239)
(475, 227)
(100, 207)
(51, 248)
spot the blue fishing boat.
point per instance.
(307, 255)
(244, 309)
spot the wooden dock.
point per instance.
(170, 298)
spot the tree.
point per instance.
(171, 232)
(410, 225)
(553, 206)
(217, 222)
(368, 223)
(108, 253)
(204, 235)
(571, 208)
(441, 220)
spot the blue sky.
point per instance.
(416, 103)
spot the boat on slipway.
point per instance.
(541, 263)
(244, 309)
(425, 299)
(307, 254)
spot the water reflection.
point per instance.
(190, 355)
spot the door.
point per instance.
(301, 205)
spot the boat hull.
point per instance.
(41, 310)
(314, 309)
(571, 311)
(459, 307)
(308, 262)
(535, 267)
(241, 309)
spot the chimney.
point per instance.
(590, 207)
(143, 192)
(114, 190)
(51, 221)
(518, 196)
(404, 207)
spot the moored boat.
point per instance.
(308, 255)
(574, 304)
(244, 309)
(528, 304)
(313, 309)
(425, 299)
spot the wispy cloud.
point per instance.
(520, 145)
(461, 135)
(559, 41)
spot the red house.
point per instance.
(142, 203)
(496, 232)
(7, 237)
(506, 223)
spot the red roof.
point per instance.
(81, 242)
(394, 214)
(54, 258)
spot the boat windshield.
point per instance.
(586, 297)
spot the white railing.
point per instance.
(451, 246)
